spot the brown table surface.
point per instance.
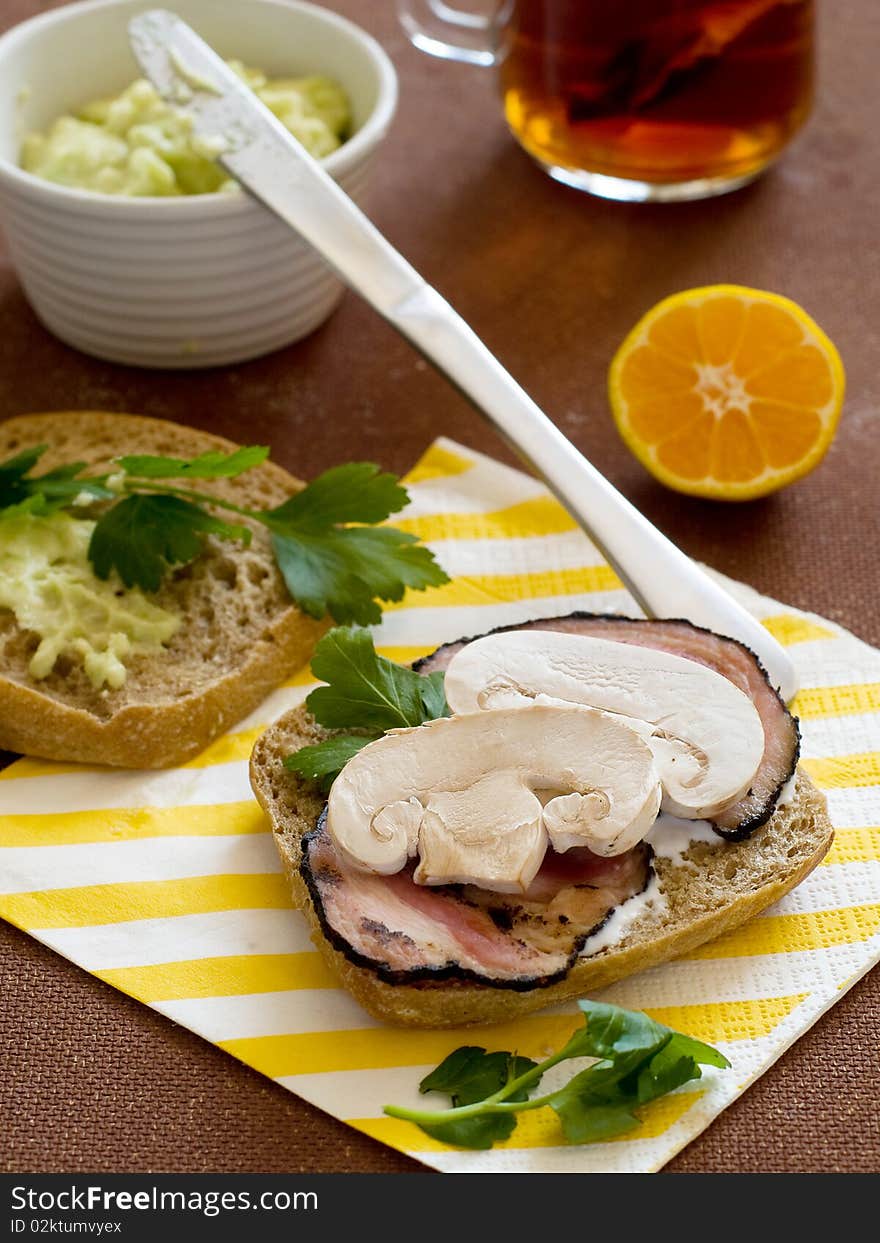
(93, 1081)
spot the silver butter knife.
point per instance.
(256, 149)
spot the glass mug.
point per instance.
(638, 99)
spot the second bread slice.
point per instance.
(241, 634)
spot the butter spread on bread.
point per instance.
(47, 581)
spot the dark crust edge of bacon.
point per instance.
(745, 828)
(450, 972)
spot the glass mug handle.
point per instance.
(428, 22)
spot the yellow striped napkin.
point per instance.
(167, 885)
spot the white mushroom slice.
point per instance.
(492, 830)
(461, 792)
(705, 734)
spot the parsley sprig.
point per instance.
(637, 1060)
(364, 692)
(22, 493)
(332, 558)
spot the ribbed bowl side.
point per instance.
(176, 289)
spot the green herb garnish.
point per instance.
(638, 1060)
(210, 465)
(340, 569)
(142, 535)
(364, 692)
(329, 565)
(54, 490)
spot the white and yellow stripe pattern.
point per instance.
(166, 884)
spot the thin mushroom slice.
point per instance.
(705, 734)
(463, 794)
(492, 829)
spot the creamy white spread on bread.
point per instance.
(788, 792)
(672, 837)
(621, 918)
(47, 581)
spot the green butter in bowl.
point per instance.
(136, 144)
(132, 243)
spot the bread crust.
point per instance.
(772, 862)
(173, 724)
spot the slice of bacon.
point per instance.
(408, 933)
(726, 656)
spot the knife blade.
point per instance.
(275, 169)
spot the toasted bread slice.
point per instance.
(241, 633)
(714, 888)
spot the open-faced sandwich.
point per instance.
(156, 582)
(534, 813)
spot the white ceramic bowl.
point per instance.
(181, 282)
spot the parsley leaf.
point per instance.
(41, 494)
(141, 536)
(432, 693)
(595, 1104)
(637, 1060)
(366, 692)
(344, 570)
(332, 560)
(468, 1075)
(677, 1062)
(353, 492)
(323, 761)
(640, 1060)
(331, 567)
(61, 486)
(588, 1122)
(612, 1033)
(210, 465)
(318, 576)
(13, 487)
(480, 1131)
(702, 1054)
(471, 1074)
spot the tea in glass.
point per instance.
(656, 99)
